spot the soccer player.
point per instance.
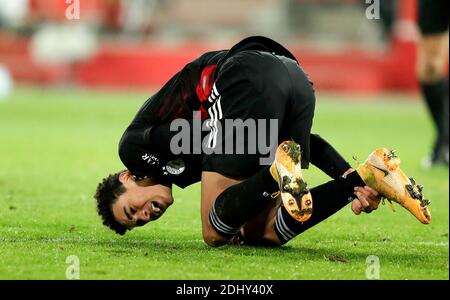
(243, 198)
(432, 57)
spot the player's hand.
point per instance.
(367, 200)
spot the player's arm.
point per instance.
(326, 157)
(136, 154)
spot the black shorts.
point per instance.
(433, 16)
(257, 87)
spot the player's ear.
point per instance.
(125, 176)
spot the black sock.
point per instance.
(444, 117)
(435, 95)
(240, 202)
(327, 198)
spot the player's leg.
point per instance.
(239, 203)
(432, 57)
(381, 171)
(431, 62)
(213, 184)
(227, 203)
(298, 214)
(279, 227)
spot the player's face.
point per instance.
(140, 204)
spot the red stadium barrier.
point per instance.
(352, 70)
(135, 66)
(15, 54)
(151, 65)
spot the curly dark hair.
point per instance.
(107, 193)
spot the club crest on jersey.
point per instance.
(175, 167)
(150, 159)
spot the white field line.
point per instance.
(434, 244)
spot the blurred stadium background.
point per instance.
(141, 43)
(71, 83)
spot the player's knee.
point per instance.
(213, 241)
(432, 70)
(271, 241)
(212, 238)
(431, 65)
(270, 238)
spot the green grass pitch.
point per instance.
(57, 144)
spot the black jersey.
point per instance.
(145, 145)
(257, 79)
